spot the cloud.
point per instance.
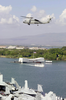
(6, 17)
(37, 13)
(16, 18)
(29, 15)
(45, 18)
(62, 18)
(63, 15)
(3, 20)
(40, 14)
(4, 9)
(41, 11)
(33, 9)
(10, 20)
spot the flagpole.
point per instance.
(33, 54)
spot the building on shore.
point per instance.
(11, 47)
(2, 46)
(20, 47)
(36, 48)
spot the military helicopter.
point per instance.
(30, 20)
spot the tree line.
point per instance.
(49, 54)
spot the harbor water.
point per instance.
(52, 76)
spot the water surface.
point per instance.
(52, 76)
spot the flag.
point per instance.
(34, 52)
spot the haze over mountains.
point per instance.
(52, 39)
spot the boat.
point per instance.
(39, 65)
(34, 60)
(48, 61)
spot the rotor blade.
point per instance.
(27, 17)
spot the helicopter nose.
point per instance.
(24, 21)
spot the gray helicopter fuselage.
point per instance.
(32, 22)
(35, 21)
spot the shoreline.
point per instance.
(3, 56)
(25, 57)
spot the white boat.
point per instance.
(39, 65)
(48, 61)
(34, 60)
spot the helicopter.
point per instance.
(30, 20)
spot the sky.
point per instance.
(11, 23)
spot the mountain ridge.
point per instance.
(56, 39)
